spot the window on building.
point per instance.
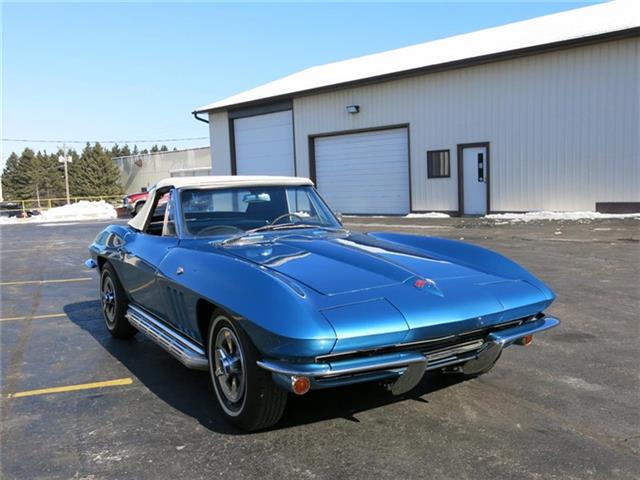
(438, 164)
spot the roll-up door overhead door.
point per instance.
(364, 173)
(264, 144)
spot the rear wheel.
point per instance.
(113, 301)
(246, 393)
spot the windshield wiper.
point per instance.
(280, 226)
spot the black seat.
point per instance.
(268, 211)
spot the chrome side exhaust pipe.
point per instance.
(185, 350)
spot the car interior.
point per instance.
(232, 211)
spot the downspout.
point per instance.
(195, 115)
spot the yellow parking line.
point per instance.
(34, 317)
(40, 282)
(72, 388)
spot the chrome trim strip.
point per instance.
(183, 349)
(504, 338)
(401, 360)
(329, 372)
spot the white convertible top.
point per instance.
(213, 181)
(225, 181)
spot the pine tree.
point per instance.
(124, 152)
(50, 175)
(93, 173)
(19, 176)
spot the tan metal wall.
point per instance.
(220, 149)
(564, 127)
(137, 171)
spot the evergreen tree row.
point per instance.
(91, 173)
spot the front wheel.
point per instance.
(246, 393)
(114, 304)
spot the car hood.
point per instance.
(380, 292)
(333, 265)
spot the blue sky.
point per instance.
(89, 71)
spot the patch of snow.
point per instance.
(544, 215)
(428, 215)
(82, 210)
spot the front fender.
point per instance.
(277, 313)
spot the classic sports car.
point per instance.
(255, 280)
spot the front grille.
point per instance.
(434, 348)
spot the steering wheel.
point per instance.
(213, 228)
(286, 215)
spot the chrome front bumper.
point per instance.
(366, 368)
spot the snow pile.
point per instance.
(427, 215)
(82, 210)
(544, 215)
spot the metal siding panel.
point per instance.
(563, 126)
(220, 150)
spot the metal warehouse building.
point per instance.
(542, 114)
(143, 170)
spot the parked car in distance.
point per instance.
(256, 280)
(14, 209)
(134, 201)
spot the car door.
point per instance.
(179, 303)
(140, 256)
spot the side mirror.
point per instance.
(143, 189)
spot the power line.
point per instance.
(157, 140)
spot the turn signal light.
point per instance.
(300, 385)
(526, 340)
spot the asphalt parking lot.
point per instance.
(566, 407)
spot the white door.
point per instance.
(475, 171)
(364, 172)
(264, 144)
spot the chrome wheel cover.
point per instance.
(108, 300)
(229, 368)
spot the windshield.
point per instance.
(231, 211)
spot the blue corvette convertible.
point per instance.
(255, 280)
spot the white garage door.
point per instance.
(264, 144)
(364, 172)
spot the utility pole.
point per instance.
(66, 159)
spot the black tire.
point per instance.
(258, 402)
(113, 301)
